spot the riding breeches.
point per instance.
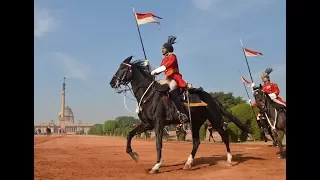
(171, 82)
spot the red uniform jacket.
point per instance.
(170, 61)
(273, 88)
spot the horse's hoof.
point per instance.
(187, 166)
(134, 156)
(154, 171)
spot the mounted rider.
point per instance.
(271, 89)
(169, 65)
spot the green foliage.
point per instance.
(227, 99)
(126, 121)
(233, 131)
(109, 126)
(246, 115)
(97, 129)
(202, 133)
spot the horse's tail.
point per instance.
(235, 120)
(213, 102)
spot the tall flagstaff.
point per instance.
(146, 18)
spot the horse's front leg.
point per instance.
(159, 134)
(195, 145)
(139, 129)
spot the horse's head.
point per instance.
(125, 73)
(260, 97)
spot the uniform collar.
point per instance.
(168, 54)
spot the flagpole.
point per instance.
(246, 61)
(135, 17)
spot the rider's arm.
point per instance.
(165, 64)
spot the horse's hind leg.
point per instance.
(225, 138)
(139, 129)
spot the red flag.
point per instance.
(245, 81)
(249, 52)
(146, 18)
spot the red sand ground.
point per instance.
(100, 158)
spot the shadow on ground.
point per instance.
(203, 162)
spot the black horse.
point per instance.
(208, 127)
(273, 116)
(157, 109)
(182, 129)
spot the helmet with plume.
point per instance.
(266, 73)
(168, 44)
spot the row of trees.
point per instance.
(236, 105)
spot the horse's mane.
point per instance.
(140, 65)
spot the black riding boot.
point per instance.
(176, 100)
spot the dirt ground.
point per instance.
(104, 158)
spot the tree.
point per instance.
(126, 121)
(227, 99)
(109, 126)
(202, 133)
(97, 129)
(246, 115)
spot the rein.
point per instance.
(120, 80)
(265, 110)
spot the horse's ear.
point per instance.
(128, 59)
(260, 86)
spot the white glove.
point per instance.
(249, 101)
(272, 96)
(158, 70)
(253, 85)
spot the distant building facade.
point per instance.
(65, 122)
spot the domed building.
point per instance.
(65, 122)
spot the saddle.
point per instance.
(194, 98)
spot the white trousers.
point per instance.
(171, 82)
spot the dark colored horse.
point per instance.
(274, 115)
(147, 135)
(157, 109)
(208, 127)
(182, 129)
(48, 131)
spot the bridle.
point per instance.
(261, 102)
(119, 82)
